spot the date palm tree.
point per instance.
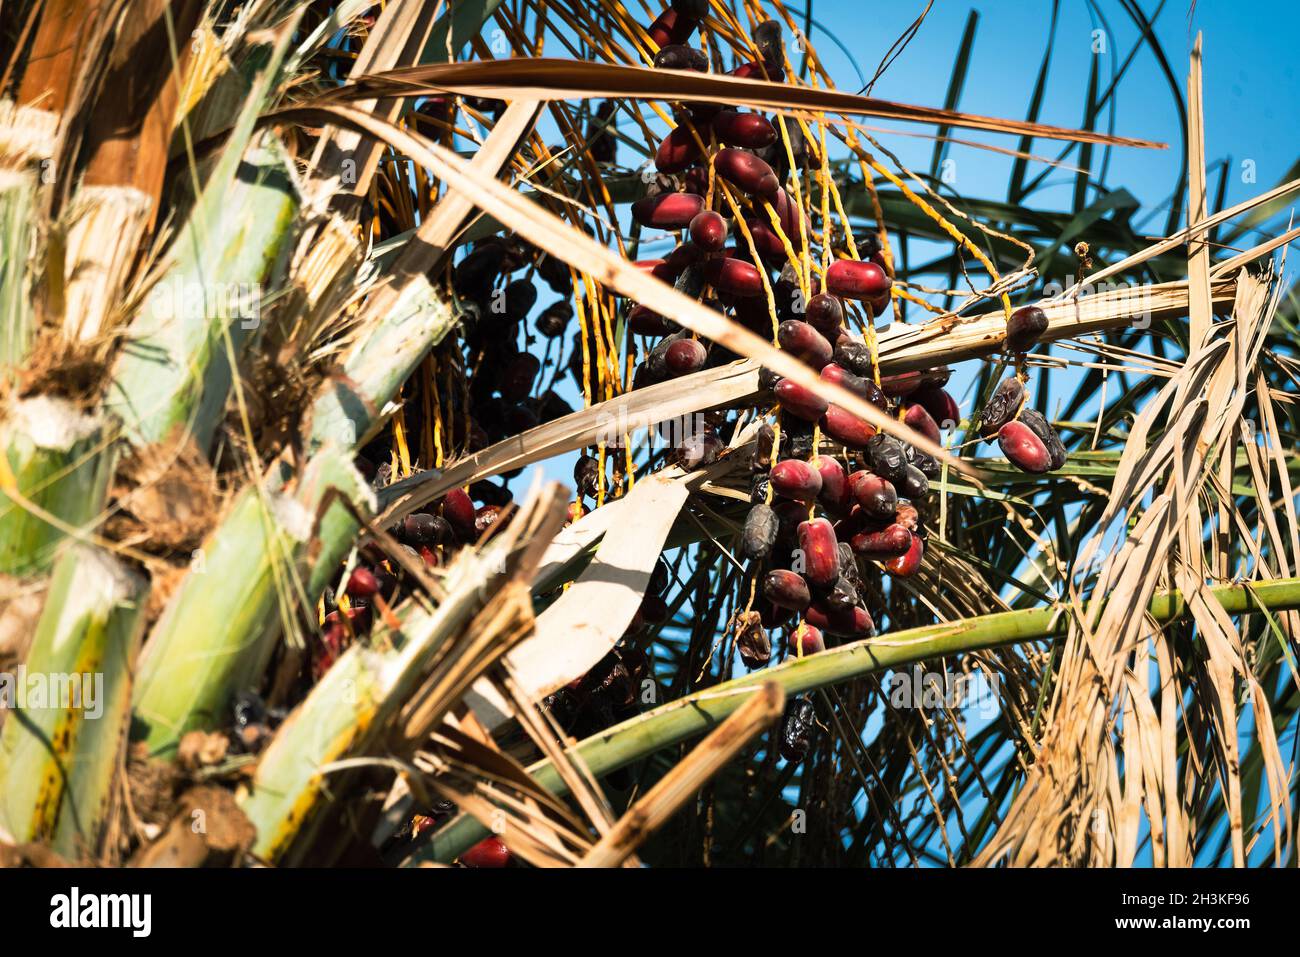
(273, 360)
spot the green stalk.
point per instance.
(355, 702)
(175, 371)
(217, 632)
(53, 478)
(190, 672)
(17, 225)
(59, 756)
(694, 714)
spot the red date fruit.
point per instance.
(734, 277)
(1024, 328)
(854, 279)
(668, 210)
(835, 484)
(489, 852)
(821, 553)
(786, 589)
(677, 152)
(644, 321)
(749, 130)
(766, 241)
(1023, 448)
(709, 231)
(836, 373)
(825, 313)
(684, 357)
(746, 172)
(907, 565)
(788, 214)
(806, 640)
(799, 401)
(796, 479)
(852, 622)
(916, 418)
(804, 342)
(940, 404)
(458, 510)
(846, 428)
(1043, 429)
(888, 542)
(760, 70)
(671, 27)
(875, 495)
(362, 583)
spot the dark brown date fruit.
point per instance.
(751, 640)
(886, 458)
(1024, 328)
(841, 596)
(905, 514)
(699, 450)
(586, 474)
(425, 529)
(519, 375)
(759, 534)
(825, 313)
(1002, 407)
(915, 484)
(764, 440)
(680, 56)
(797, 728)
(554, 320)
